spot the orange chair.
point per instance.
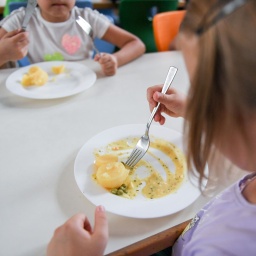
(166, 26)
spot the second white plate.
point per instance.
(76, 79)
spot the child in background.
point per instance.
(217, 39)
(55, 35)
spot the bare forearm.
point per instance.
(129, 52)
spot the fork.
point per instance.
(87, 28)
(30, 8)
(143, 144)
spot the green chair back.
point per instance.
(136, 17)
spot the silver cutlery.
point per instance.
(88, 30)
(31, 5)
(143, 144)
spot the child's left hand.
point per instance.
(108, 63)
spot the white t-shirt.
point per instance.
(58, 41)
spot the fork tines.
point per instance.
(135, 157)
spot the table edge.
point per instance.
(152, 244)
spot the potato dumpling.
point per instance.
(104, 159)
(112, 175)
(58, 69)
(35, 76)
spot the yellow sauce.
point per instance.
(154, 185)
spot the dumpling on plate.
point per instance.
(111, 175)
(35, 76)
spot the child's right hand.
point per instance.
(15, 45)
(173, 103)
(108, 63)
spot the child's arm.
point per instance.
(131, 47)
(13, 45)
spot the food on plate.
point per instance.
(58, 69)
(111, 175)
(120, 191)
(104, 159)
(35, 76)
(153, 177)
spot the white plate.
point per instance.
(139, 207)
(77, 79)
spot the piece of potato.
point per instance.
(104, 159)
(35, 76)
(58, 69)
(112, 174)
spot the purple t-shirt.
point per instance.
(225, 226)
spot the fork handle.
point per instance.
(95, 48)
(168, 81)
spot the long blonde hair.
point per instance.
(223, 90)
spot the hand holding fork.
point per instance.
(143, 144)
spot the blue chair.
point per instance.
(16, 5)
(84, 3)
(102, 45)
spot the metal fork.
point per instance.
(30, 8)
(88, 30)
(143, 144)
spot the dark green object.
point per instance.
(136, 17)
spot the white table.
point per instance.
(39, 140)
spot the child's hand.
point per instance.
(77, 238)
(15, 44)
(173, 103)
(108, 63)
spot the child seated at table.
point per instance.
(55, 35)
(217, 39)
